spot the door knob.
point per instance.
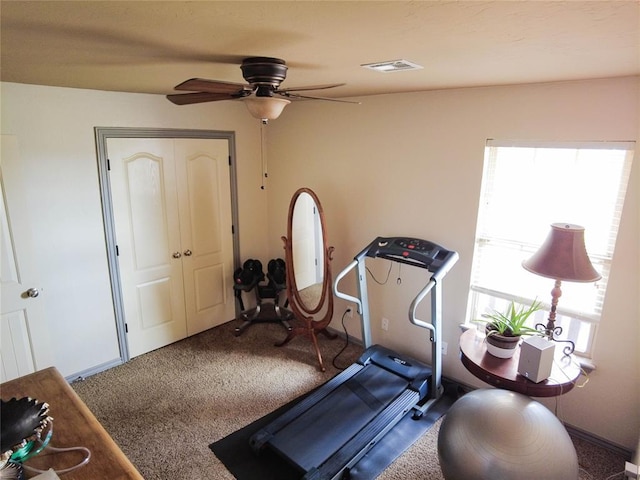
(188, 253)
(33, 292)
(177, 254)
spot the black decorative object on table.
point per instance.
(23, 421)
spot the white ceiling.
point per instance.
(148, 46)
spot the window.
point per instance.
(525, 188)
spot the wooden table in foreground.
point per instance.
(73, 426)
(503, 372)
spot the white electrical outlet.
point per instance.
(444, 348)
(632, 471)
(385, 324)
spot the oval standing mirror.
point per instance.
(308, 268)
(307, 245)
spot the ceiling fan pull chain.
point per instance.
(263, 158)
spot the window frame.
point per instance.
(577, 324)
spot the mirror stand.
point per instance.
(308, 270)
(310, 327)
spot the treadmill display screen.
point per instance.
(412, 251)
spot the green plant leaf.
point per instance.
(512, 322)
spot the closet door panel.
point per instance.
(144, 193)
(206, 231)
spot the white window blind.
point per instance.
(525, 188)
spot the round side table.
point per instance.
(503, 372)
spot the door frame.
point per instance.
(102, 134)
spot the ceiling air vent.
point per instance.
(392, 66)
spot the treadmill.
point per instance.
(331, 429)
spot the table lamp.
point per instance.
(562, 256)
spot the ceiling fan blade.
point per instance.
(313, 87)
(307, 97)
(200, 97)
(212, 86)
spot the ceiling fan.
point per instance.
(263, 96)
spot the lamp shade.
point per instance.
(266, 108)
(563, 256)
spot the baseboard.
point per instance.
(92, 371)
(352, 340)
(600, 442)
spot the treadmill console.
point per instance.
(412, 251)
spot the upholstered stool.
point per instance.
(493, 434)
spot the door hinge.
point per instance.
(233, 230)
(108, 164)
(126, 328)
(117, 251)
(229, 160)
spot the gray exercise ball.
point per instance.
(493, 434)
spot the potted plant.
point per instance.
(504, 330)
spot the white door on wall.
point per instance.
(172, 216)
(24, 332)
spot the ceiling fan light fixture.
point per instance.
(265, 108)
(392, 66)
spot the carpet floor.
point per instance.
(166, 407)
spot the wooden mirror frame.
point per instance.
(314, 319)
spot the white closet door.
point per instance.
(173, 219)
(203, 177)
(144, 195)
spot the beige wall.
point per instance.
(407, 164)
(55, 131)
(411, 164)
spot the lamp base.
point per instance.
(551, 331)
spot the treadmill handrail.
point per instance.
(345, 296)
(442, 271)
(414, 306)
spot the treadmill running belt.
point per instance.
(330, 424)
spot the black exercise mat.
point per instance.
(238, 457)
